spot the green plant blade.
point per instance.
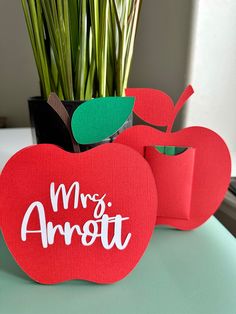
(82, 48)
(99, 118)
(171, 150)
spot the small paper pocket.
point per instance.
(173, 169)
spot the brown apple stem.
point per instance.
(58, 107)
(178, 106)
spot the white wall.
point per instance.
(18, 76)
(162, 45)
(213, 68)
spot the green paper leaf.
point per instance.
(99, 118)
(171, 150)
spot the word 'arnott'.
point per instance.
(90, 231)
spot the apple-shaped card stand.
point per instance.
(84, 216)
(191, 184)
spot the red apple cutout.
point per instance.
(208, 174)
(84, 216)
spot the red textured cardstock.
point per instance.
(211, 172)
(172, 173)
(156, 107)
(152, 105)
(99, 233)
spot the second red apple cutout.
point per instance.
(191, 185)
(83, 216)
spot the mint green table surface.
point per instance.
(181, 272)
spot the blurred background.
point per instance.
(178, 42)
